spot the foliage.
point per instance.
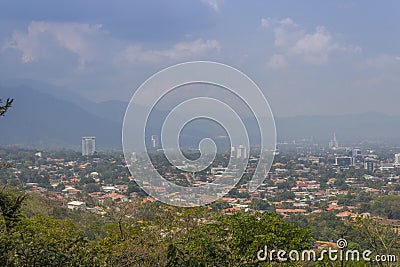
(380, 238)
(4, 108)
(152, 234)
(10, 208)
(235, 240)
(386, 206)
(43, 241)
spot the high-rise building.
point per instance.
(356, 152)
(397, 159)
(88, 145)
(241, 152)
(369, 166)
(343, 161)
(154, 141)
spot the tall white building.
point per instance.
(241, 152)
(397, 159)
(88, 145)
(154, 141)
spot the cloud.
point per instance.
(40, 35)
(213, 4)
(293, 41)
(384, 62)
(269, 22)
(90, 43)
(276, 62)
(179, 51)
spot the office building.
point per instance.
(356, 152)
(343, 161)
(88, 145)
(154, 141)
(369, 166)
(241, 152)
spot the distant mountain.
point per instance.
(113, 110)
(42, 120)
(59, 119)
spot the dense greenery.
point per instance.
(387, 206)
(37, 232)
(137, 234)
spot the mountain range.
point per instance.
(48, 117)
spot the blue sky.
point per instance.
(308, 57)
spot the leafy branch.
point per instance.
(4, 108)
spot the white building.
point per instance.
(73, 205)
(241, 152)
(397, 159)
(154, 141)
(88, 145)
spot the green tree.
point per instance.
(260, 204)
(43, 241)
(4, 108)
(386, 206)
(235, 240)
(379, 238)
(10, 207)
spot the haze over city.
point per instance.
(314, 58)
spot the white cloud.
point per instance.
(265, 23)
(316, 47)
(181, 50)
(91, 43)
(383, 62)
(269, 22)
(71, 36)
(214, 4)
(276, 62)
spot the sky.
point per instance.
(308, 57)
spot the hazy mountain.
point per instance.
(39, 119)
(42, 119)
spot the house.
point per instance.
(345, 215)
(74, 205)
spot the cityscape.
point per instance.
(204, 133)
(327, 182)
(305, 178)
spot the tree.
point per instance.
(235, 241)
(380, 238)
(10, 208)
(4, 108)
(260, 204)
(386, 206)
(43, 241)
(220, 205)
